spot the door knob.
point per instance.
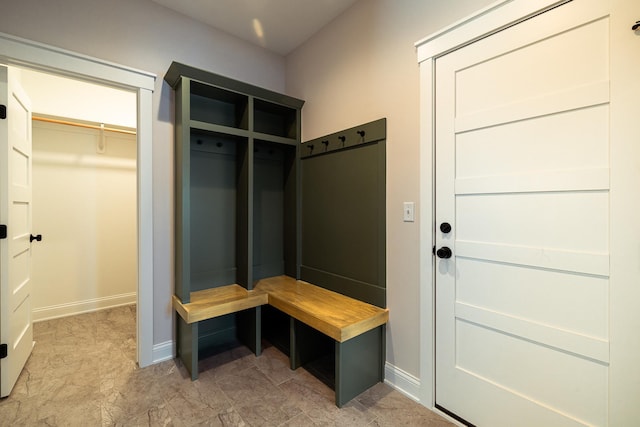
(37, 238)
(445, 227)
(444, 252)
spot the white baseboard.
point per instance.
(163, 351)
(402, 381)
(79, 307)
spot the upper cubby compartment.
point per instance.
(221, 104)
(211, 104)
(274, 119)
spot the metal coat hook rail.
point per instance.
(346, 139)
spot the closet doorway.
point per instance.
(84, 195)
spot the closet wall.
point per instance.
(84, 198)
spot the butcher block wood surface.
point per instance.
(216, 302)
(331, 313)
(336, 315)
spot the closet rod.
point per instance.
(82, 125)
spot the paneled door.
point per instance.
(522, 222)
(16, 328)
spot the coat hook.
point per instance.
(219, 144)
(636, 26)
(361, 133)
(310, 147)
(342, 138)
(326, 143)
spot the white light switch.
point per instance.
(408, 212)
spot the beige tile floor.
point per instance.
(83, 373)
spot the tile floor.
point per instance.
(83, 373)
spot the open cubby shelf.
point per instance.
(236, 192)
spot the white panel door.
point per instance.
(522, 177)
(16, 328)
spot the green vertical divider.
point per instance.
(182, 154)
(359, 364)
(188, 345)
(248, 329)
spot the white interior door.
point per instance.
(16, 328)
(522, 176)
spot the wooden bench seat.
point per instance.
(336, 315)
(356, 327)
(214, 302)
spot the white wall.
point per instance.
(362, 67)
(84, 205)
(64, 97)
(147, 36)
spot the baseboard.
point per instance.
(163, 351)
(79, 307)
(402, 381)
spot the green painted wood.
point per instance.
(226, 203)
(356, 136)
(188, 346)
(182, 193)
(178, 70)
(249, 331)
(244, 214)
(362, 291)
(343, 222)
(291, 212)
(359, 364)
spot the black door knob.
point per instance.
(444, 252)
(37, 238)
(445, 227)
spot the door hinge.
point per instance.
(3, 231)
(3, 351)
(3, 111)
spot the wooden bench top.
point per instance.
(215, 302)
(336, 315)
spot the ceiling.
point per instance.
(277, 25)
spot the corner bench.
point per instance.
(356, 327)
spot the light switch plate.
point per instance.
(408, 212)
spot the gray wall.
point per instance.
(141, 34)
(362, 67)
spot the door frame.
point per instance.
(38, 56)
(624, 320)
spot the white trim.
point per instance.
(79, 307)
(145, 229)
(427, 236)
(22, 52)
(164, 351)
(26, 53)
(491, 19)
(402, 381)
